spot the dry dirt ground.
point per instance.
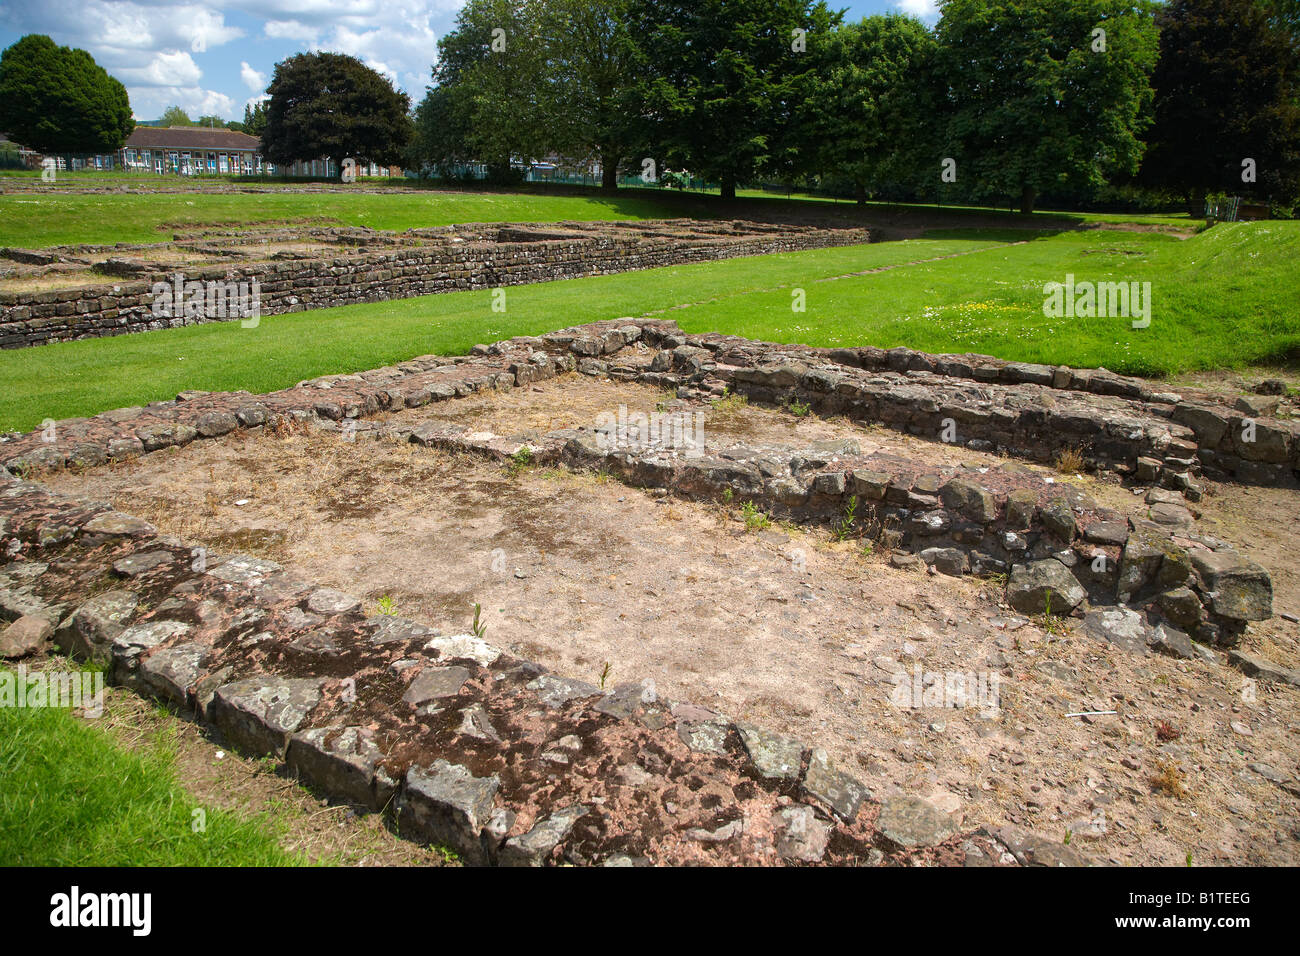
(784, 626)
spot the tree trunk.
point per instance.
(860, 193)
(1027, 195)
(728, 187)
(608, 172)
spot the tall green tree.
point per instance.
(254, 121)
(333, 106)
(1227, 89)
(720, 81)
(1038, 99)
(442, 139)
(56, 99)
(591, 106)
(493, 88)
(175, 116)
(871, 103)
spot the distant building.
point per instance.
(193, 151)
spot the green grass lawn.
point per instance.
(58, 216)
(81, 378)
(1226, 298)
(36, 220)
(72, 797)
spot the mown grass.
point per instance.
(1226, 298)
(71, 797)
(36, 220)
(56, 215)
(89, 376)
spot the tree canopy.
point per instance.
(1013, 98)
(719, 79)
(1227, 91)
(333, 106)
(56, 99)
(1039, 98)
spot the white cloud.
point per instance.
(148, 102)
(396, 39)
(254, 80)
(112, 31)
(291, 30)
(164, 51)
(925, 9)
(165, 69)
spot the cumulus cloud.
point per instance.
(150, 101)
(164, 69)
(291, 30)
(170, 53)
(254, 80)
(396, 38)
(116, 31)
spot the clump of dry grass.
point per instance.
(1170, 780)
(1069, 461)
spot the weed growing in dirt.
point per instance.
(604, 675)
(1052, 624)
(797, 408)
(1166, 732)
(519, 461)
(845, 525)
(387, 607)
(730, 403)
(755, 520)
(478, 627)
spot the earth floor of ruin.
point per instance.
(785, 626)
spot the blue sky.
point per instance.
(214, 56)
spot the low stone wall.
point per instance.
(1028, 411)
(471, 748)
(452, 264)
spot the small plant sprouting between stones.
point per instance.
(387, 607)
(604, 675)
(519, 461)
(727, 495)
(797, 408)
(1052, 624)
(844, 527)
(755, 520)
(478, 627)
(730, 402)
(1067, 837)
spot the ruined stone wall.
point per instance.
(1147, 430)
(471, 748)
(59, 315)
